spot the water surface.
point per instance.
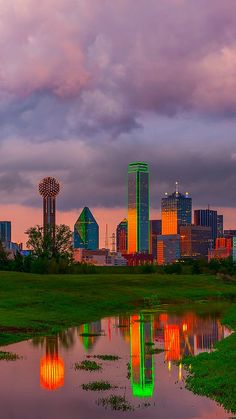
(44, 384)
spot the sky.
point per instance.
(88, 86)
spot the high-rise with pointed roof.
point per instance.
(176, 211)
(86, 231)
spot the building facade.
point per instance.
(229, 233)
(99, 257)
(168, 249)
(5, 231)
(138, 207)
(155, 231)
(220, 225)
(86, 231)
(122, 237)
(223, 249)
(207, 218)
(195, 241)
(176, 210)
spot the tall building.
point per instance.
(5, 231)
(195, 241)
(86, 231)
(49, 188)
(122, 237)
(207, 218)
(138, 207)
(176, 210)
(155, 231)
(220, 225)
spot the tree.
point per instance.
(3, 256)
(43, 244)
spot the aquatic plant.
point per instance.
(97, 386)
(8, 356)
(115, 403)
(87, 366)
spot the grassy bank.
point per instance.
(33, 304)
(214, 374)
(38, 305)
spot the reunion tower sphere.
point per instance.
(49, 187)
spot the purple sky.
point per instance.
(87, 86)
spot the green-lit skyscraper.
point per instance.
(138, 207)
(86, 231)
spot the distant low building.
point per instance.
(229, 233)
(138, 259)
(168, 249)
(100, 257)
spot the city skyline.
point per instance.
(104, 217)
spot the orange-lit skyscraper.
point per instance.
(176, 211)
(138, 207)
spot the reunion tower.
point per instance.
(49, 188)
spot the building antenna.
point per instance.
(176, 188)
(106, 238)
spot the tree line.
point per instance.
(52, 253)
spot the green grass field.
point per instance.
(45, 304)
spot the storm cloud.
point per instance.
(86, 87)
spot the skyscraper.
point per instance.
(138, 207)
(176, 211)
(5, 231)
(122, 237)
(207, 218)
(49, 188)
(86, 231)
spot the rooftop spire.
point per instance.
(176, 188)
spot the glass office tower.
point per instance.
(207, 218)
(86, 231)
(5, 231)
(138, 207)
(122, 237)
(176, 211)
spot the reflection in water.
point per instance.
(176, 335)
(142, 364)
(89, 329)
(51, 366)
(158, 387)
